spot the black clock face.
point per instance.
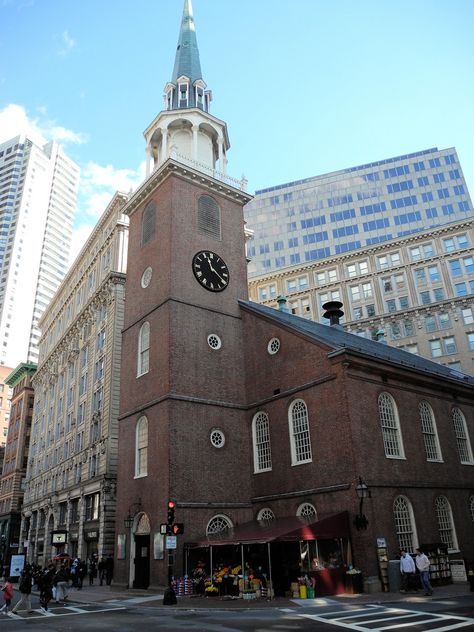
(211, 271)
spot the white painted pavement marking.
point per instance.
(340, 616)
(132, 600)
(71, 611)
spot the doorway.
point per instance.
(142, 561)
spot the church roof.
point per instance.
(339, 340)
(187, 54)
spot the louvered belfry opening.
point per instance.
(209, 217)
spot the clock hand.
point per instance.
(215, 271)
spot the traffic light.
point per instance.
(177, 528)
(171, 508)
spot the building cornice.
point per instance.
(173, 167)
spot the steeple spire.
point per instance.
(187, 62)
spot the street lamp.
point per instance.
(128, 521)
(363, 491)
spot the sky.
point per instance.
(305, 86)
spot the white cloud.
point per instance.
(80, 235)
(14, 120)
(67, 43)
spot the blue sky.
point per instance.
(305, 86)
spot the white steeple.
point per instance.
(185, 130)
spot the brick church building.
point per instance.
(261, 426)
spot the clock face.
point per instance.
(211, 271)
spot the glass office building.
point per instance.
(343, 211)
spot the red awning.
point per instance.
(291, 528)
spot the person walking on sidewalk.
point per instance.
(26, 583)
(102, 570)
(61, 581)
(109, 569)
(423, 565)
(7, 592)
(407, 570)
(44, 582)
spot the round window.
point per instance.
(273, 346)
(214, 341)
(217, 438)
(146, 277)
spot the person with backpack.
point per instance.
(26, 582)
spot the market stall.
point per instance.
(276, 554)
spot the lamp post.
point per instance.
(363, 491)
(128, 523)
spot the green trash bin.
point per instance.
(310, 593)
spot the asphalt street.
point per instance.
(128, 614)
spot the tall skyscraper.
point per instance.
(341, 212)
(38, 193)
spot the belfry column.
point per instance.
(195, 142)
(148, 160)
(164, 144)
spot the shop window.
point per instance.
(299, 433)
(391, 433)
(430, 434)
(405, 524)
(141, 447)
(261, 443)
(444, 515)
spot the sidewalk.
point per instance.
(104, 594)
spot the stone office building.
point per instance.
(416, 291)
(71, 476)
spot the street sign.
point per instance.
(171, 542)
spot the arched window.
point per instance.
(143, 525)
(430, 434)
(307, 510)
(405, 524)
(300, 439)
(218, 524)
(266, 514)
(462, 438)
(262, 454)
(141, 447)
(209, 217)
(444, 515)
(391, 433)
(148, 223)
(143, 360)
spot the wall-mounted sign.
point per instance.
(91, 535)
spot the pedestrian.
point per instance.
(26, 582)
(81, 573)
(423, 565)
(7, 592)
(91, 570)
(109, 569)
(61, 581)
(45, 585)
(102, 570)
(407, 570)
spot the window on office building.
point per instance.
(468, 315)
(388, 261)
(453, 244)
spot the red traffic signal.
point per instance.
(171, 508)
(177, 528)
